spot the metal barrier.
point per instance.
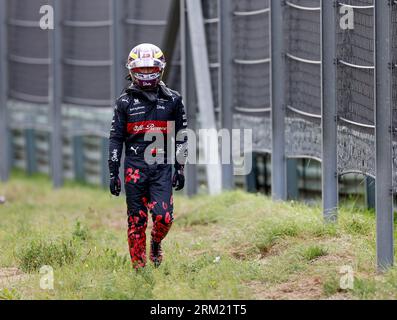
(310, 88)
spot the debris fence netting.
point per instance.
(28, 56)
(251, 69)
(211, 24)
(303, 79)
(355, 91)
(87, 61)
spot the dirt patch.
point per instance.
(243, 252)
(274, 250)
(247, 251)
(9, 276)
(303, 288)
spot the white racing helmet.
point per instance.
(146, 64)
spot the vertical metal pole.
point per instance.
(383, 135)
(188, 93)
(204, 91)
(118, 70)
(55, 89)
(329, 111)
(292, 179)
(267, 173)
(370, 192)
(278, 92)
(10, 150)
(104, 162)
(4, 135)
(31, 162)
(78, 158)
(226, 82)
(251, 179)
(117, 35)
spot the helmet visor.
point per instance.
(146, 70)
(145, 63)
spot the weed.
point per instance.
(38, 253)
(113, 261)
(331, 286)
(314, 252)
(9, 294)
(80, 232)
(358, 225)
(364, 288)
(268, 234)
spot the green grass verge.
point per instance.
(233, 246)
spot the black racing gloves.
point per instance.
(115, 185)
(178, 180)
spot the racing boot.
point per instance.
(156, 254)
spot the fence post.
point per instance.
(292, 179)
(78, 158)
(251, 180)
(370, 192)
(188, 92)
(31, 162)
(55, 105)
(278, 83)
(104, 161)
(4, 135)
(116, 36)
(226, 83)
(204, 93)
(383, 135)
(329, 111)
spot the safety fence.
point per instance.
(251, 70)
(315, 79)
(90, 53)
(88, 78)
(309, 85)
(88, 60)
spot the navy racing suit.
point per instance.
(148, 184)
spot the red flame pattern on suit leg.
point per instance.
(137, 225)
(160, 230)
(148, 189)
(161, 226)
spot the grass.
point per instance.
(314, 252)
(32, 256)
(233, 246)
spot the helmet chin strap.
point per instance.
(146, 89)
